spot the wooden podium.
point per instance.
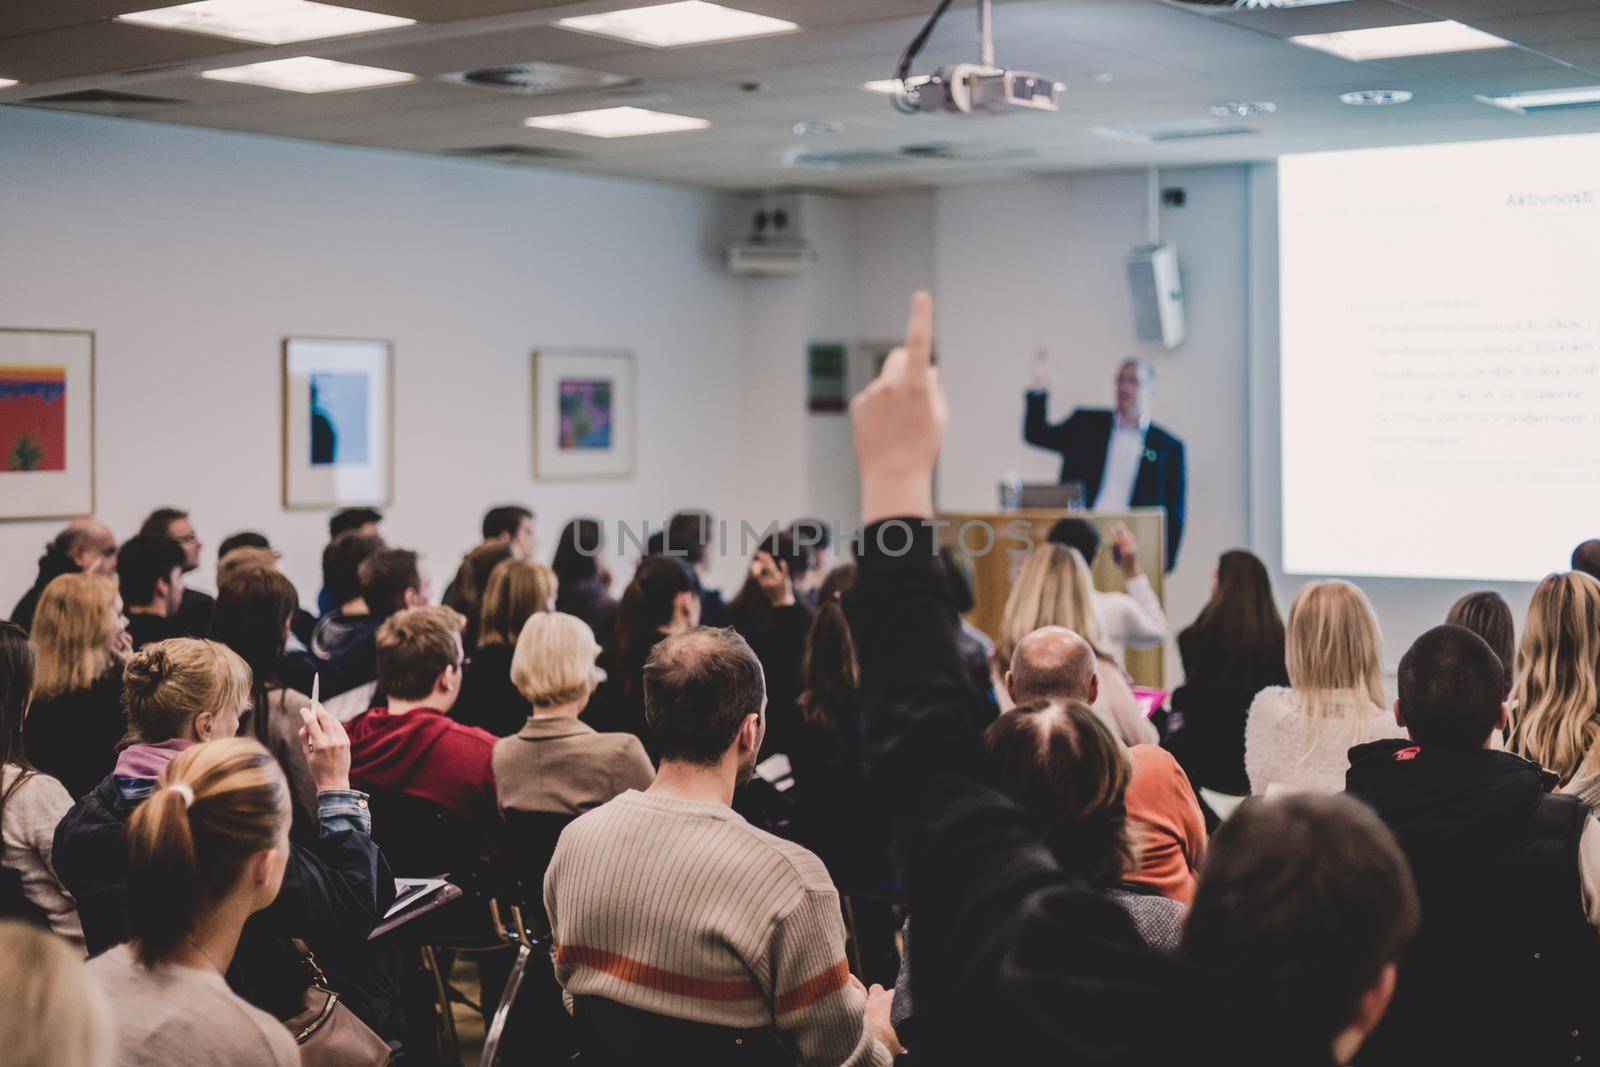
(994, 568)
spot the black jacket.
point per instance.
(1505, 968)
(1017, 962)
(52, 565)
(344, 649)
(73, 737)
(591, 603)
(194, 613)
(488, 699)
(1219, 684)
(335, 890)
(1084, 437)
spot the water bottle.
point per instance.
(1011, 491)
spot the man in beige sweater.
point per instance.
(669, 902)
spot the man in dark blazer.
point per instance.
(1121, 457)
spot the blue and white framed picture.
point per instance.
(583, 414)
(338, 422)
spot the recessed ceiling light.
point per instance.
(1392, 42)
(266, 21)
(6, 83)
(815, 128)
(1242, 109)
(1546, 99)
(307, 74)
(674, 25)
(616, 122)
(890, 86)
(1376, 97)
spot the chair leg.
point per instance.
(449, 1041)
(502, 1011)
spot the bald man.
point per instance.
(84, 547)
(1055, 664)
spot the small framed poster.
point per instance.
(46, 423)
(825, 378)
(583, 414)
(338, 422)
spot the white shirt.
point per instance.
(1282, 753)
(1129, 620)
(1123, 456)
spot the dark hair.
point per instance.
(1489, 616)
(505, 519)
(699, 687)
(689, 532)
(142, 561)
(472, 579)
(750, 611)
(1240, 627)
(812, 534)
(1303, 900)
(577, 551)
(157, 523)
(1080, 534)
(254, 606)
(16, 688)
(958, 577)
(385, 576)
(414, 647)
(646, 606)
(830, 678)
(1062, 763)
(242, 539)
(341, 564)
(1451, 686)
(1586, 558)
(352, 519)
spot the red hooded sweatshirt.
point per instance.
(425, 754)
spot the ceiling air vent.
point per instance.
(105, 101)
(1182, 130)
(537, 79)
(935, 151)
(527, 155)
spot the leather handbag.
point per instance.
(328, 1033)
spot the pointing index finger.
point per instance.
(919, 332)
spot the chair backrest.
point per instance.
(610, 1034)
(531, 838)
(420, 839)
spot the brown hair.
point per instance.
(1240, 628)
(1489, 616)
(1557, 692)
(52, 1015)
(415, 646)
(186, 854)
(248, 557)
(168, 683)
(16, 686)
(385, 575)
(517, 590)
(829, 673)
(252, 614)
(69, 633)
(699, 687)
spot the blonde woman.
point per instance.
(1299, 738)
(1557, 721)
(80, 641)
(1054, 588)
(516, 590)
(556, 763)
(52, 1015)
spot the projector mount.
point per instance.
(968, 87)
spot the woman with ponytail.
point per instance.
(663, 599)
(205, 851)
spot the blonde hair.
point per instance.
(214, 806)
(1333, 645)
(70, 628)
(516, 590)
(52, 1015)
(1556, 689)
(248, 557)
(554, 660)
(1053, 588)
(168, 683)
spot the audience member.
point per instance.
(150, 573)
(387, 580)
(361, 521)
(771, 618)
(1586, 558)
(181, 693)
(1131, 619)
(206, 851)
(1232, 651)
(556, 763)
(691, 535)
(489, 699)
(1304, 907)
(31, 803)
(1298, 737)
(663, 599)
(814, 537)
(84, 547)
(412, 746)
(977, 649)
(1081, 534)
(242, 539)
(1054, 663)
(465, 592)
(1556, 698)
(53, 1014)
(193, 618)
(254, 608)
(583, 578)
(1489, 616)
(80, 641)
(672, 882)
(1507, 871)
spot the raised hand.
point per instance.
(1039, 371)
(326, 747)
(899, 422)
(1126, 550)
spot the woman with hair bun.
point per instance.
(205, 851)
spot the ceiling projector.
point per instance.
(966, 88)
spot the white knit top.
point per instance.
(1280, 752)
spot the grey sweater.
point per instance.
(28, 821)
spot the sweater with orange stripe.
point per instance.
(685, 909)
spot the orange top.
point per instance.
(1170, 832)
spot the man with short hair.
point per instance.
(387, 580)
(1508, 872)
(193, 618)
(84, 547)
(513, 525)
(412, 746)
(362, 521)
(669, 902)
(1586, 558)
(689, 535)
(150, 573)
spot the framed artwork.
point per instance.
(338, 422)
(46, 423)
(825, 378)
(583, 414)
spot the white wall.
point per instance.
(192, 253)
